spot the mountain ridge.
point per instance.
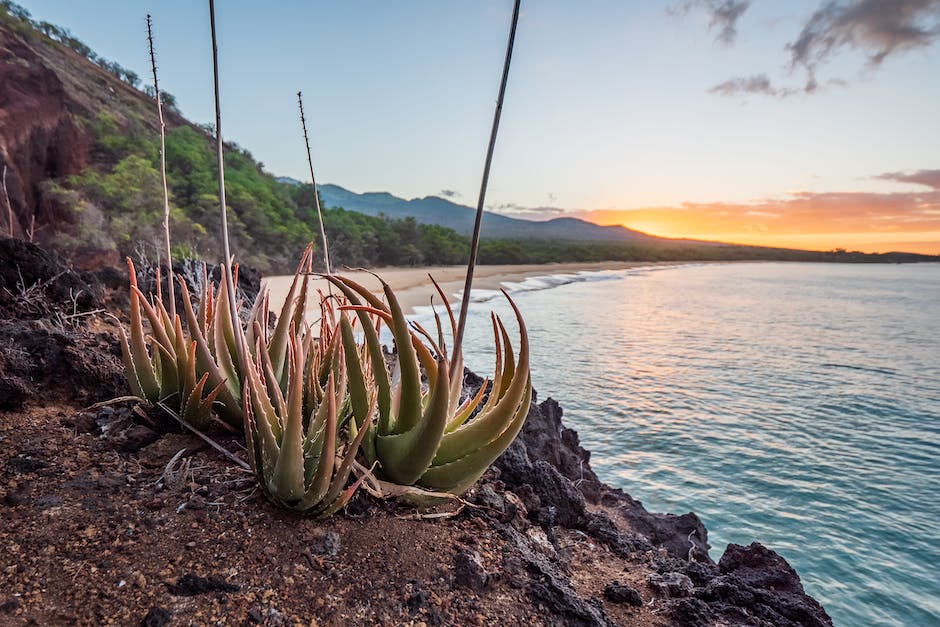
(446, 213)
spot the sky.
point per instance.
(807, 123)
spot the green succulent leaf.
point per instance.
(459, 475)
(277, 347)
(231, 407)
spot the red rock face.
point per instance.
(39, 139)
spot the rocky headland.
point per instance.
(114, 515)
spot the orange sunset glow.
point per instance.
(869, 222)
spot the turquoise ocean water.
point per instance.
(794, 404)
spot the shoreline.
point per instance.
(414, 290)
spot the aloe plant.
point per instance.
(293, 436)
(181, 362)
(425, 436)
(285, 387)
(166, 367)
(210, 326)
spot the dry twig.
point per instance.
(6, 197)
(218, 447)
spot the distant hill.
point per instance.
(435, 210)
(512, 240)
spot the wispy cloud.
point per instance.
(876, 28)
(761, 84)
(723, 15)
(449, 193)
(514, 210)
(929, 178)
(756, 84)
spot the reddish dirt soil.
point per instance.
(97, 533)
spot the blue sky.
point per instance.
(611, 105)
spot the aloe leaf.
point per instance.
(440, 329)
(185, 359)
(371, 335)
(263, 417)
(252, 436)
(456, 382)
(409, 409)
(427, 360)
(405, 456)
(258, 311)
(489, 424)
(509, 364)
(169, 375)
(393, 424)
(458, 476)
(206, 301)
(340, 502)
(156, 321)
(495, 391)
(332, 357)
(364, 292)
(225, 323)
(270, 378)
(287, 480)
(456, 360)
(194, 411)
(232, 408)
(450, 311)
(435, 344)
(166, 322)
(250, 333)
(359, 397)
(482, 429)
(342, 473)
(316, 429)
(363, 406)
(137, 347)
(221, 351)
(186, 366)
(466, 410)
(129, 366)
(300, 305)
(205, 405)
(327, 458)
(277, 347)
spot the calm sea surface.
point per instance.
(794, 404)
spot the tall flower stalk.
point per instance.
(166, 194)
(478, 221)
(313, 181)
(226, 249)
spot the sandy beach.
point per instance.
(414, 289)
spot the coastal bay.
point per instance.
(414, 289)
